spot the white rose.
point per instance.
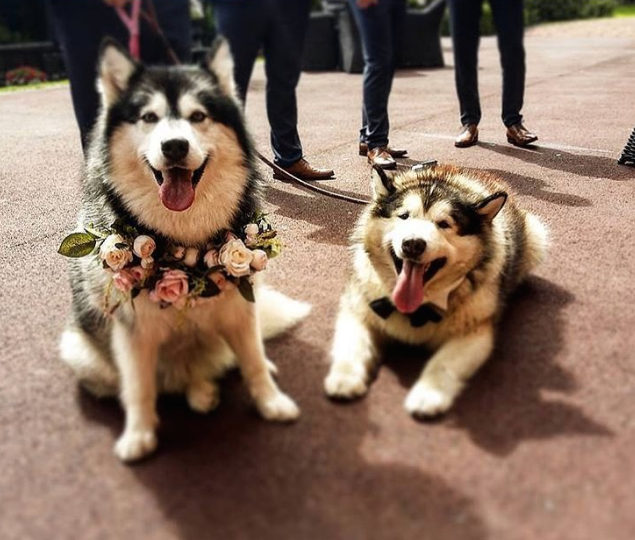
(260, 260)
(144, 246)
(251, 229)
(191, 257)
(178, 252)
(236, 258)
(116, 258)
(147, 263)
(211, 258)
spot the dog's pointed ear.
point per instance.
(116, 67)
(221, 63)
(492, 205)
(381, 183)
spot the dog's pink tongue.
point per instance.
(176, 191)
(408, 293)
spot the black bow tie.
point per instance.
(426, 313)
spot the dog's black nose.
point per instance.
(413, 247)
(175, 149)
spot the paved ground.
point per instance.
(541, 444)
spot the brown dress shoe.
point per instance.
(379, 156)
(519, 135)
(303, 170)
(394, 152)
(467, 137)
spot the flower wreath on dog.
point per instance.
(175, 275)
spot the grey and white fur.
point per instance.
(447, 238)
(137, 353)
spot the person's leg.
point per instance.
(81, 26)
(509, 20)
(375, 29)
(283, 47)
(465, 16)
(243, 25)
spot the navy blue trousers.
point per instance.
(508, 16)
(380, 27)
(81, 26)
(278, 28)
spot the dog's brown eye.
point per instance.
(405, 215)
(197, 117)
(150, 118)
(443, 224)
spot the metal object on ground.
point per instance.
(628, 154)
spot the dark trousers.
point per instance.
(380, 27)
(508, 15)
(81, 26)
(278, 28)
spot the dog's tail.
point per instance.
(277, 312)
(536, 243)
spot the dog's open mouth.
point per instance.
(177, 185)
(412, 277)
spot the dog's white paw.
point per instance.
(135, 444)
(279, 408)
(203, 397)
(344, 385)
(426, 400)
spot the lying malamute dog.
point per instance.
(170, 175)
(436, 255)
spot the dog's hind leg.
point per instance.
(93, 369)
(240, 327)
(448, 370)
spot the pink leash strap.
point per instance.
(131, 22)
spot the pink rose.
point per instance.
(259, 262)
(124, 280)
(172, 288)
(219, 279)
(139, 273)
(144, 246)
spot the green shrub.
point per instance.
(564, 10)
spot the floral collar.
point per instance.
(175, 275)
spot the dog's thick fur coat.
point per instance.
(453, 238)
(142, 349)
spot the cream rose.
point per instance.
(172, 288)
(144, 246)
(191, 257)
(211, 258)
(178, 252)
(251, 229)
(259, 262)
(116, 258)
(236, 258)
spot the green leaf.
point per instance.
(95, 233)
(211, 289)
(246, 289)
(77, 245)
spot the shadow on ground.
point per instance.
(592, 166)
(232, 475)
(504, 404)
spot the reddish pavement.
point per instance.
(540, 445)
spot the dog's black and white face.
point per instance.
(175, 139)
(425, 230)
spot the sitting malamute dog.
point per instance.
(436, 254)
(170, 156)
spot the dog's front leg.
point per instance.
(448, 370)
(241, 329)
(136, 354)
(353, 355)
